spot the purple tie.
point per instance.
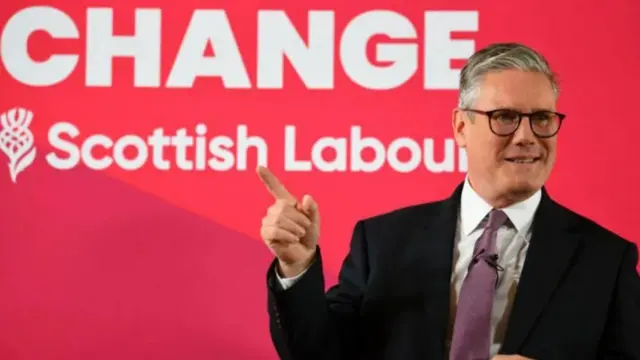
(472, 327)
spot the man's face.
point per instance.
(514, 166)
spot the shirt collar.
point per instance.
(473, 209)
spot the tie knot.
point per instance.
(497, 218)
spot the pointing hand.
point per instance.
(290, 228)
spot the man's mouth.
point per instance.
(523, 160)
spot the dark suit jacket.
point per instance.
(578, 297)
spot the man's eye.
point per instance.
(505, 116)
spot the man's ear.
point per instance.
(459, 125)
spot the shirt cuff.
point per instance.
(286, 283)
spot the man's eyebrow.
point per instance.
(516, 108)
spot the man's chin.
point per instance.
(525, 188)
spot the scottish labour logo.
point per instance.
(16, 140)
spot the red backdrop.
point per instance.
(104, 259)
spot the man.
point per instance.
(498, 270)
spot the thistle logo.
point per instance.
(16, 140)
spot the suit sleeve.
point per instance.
(306, 323)
(622, 334)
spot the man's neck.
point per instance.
(498, 200)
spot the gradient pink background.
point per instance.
(133, 265)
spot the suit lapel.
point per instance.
(435, 244)
(549, 257)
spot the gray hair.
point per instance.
(498, 57)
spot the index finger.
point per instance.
(274, 185)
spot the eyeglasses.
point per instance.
(504, 122)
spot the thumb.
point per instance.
(310, 207)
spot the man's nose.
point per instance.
(524, 134)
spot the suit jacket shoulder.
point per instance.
(403, 226)
(408, 215)
(592, 232)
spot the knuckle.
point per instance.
(281, 203)
(281, 221)
(269, 233)
(267, 221)
(278, 210)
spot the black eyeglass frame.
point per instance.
(489, 115)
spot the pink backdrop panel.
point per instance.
(130, 206)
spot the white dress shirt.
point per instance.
(512, 243)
